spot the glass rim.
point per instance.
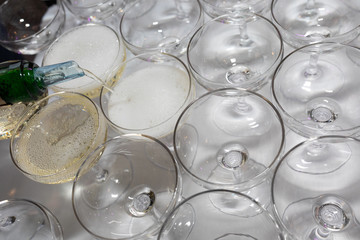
(250, 15)
(268, 214)
(280, 106)
(60, 9)
(140, 57)
(131, 136)
(25, 116)
(253, 181)
(151, 49)
(284, 158)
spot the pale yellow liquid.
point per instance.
(55, 160)
(9, 117)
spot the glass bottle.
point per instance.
(23, 82)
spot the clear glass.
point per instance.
(219, 214)
(216, 8)
(25, 219)
(160, 25)
(55, 135)
(130, 190)
(28, 27)
(94, 10)
(230, 139)
(304, 22)
(315, 189)
(97, 48)
(149, 96)
(235, 51)
(314, 89)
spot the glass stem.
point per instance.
(183, 8)
(320, 233)
(241, 106)
(243, 32)
(7, 221)
(312, 70)
(310, 4)
(101, 174)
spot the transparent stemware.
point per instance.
(230, 139)
(235, 50)
(149, 95)
(219, 214)
(28, 27)
(25, 219)
(55, 135)
(160, 25)
(96, 11)
(315, 196)
(309, 21)
(129, 191)
(314, 88)
(97, 48)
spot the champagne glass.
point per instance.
(25, 219)
(28, 27)
(315, 86)
(55, 135)
(310, 21)
(315, 196)
(160, 25)
(94, 10)
(129, 191)
(149, 96)
(97, 48)
(216, 8)
(219, 214)
(235, 50)
(230, 139)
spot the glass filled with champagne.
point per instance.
(55, 135)
(97, 48)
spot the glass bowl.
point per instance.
(219, 214)
(28, 27)
(315, 189)
(25, 219)
(230, 139)
(305, 22)
(55, 135)
(97, 49)
(149, 96)
(129, 191)
(235, 51)
(160, 25)
(314, 89)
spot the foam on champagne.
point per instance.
(36, 151)
(93, 47)
(149, 97)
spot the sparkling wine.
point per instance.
(95, 48)
(55, 140)
(150, 100)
